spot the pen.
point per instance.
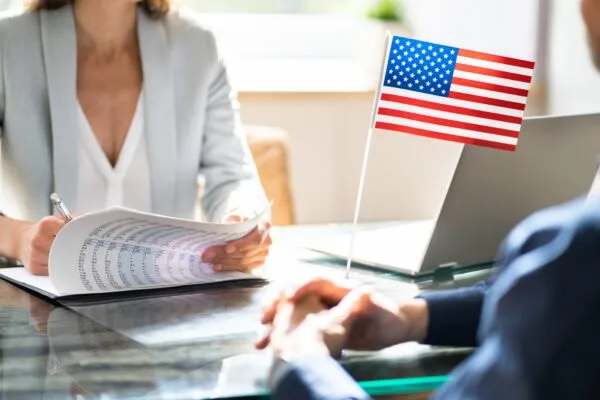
(60, 207)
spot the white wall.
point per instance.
(407, 175)
(574, 83)
(498, 26)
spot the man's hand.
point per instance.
(245, 254)
(307, 328)
(378, 322)
(35, 241)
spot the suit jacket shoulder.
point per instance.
(19, 30)
(18, 22)
(186, 19)
(193, 37)
(19, 34)
(539, 324)
(18, 27)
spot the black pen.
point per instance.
(60, 207)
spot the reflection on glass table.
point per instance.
(198, 345)
(156, 355)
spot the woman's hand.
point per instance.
(245, 254)
(35, 241)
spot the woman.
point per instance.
(118, 102)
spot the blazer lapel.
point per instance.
(159, 103)
(60, 59)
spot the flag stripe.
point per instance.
(498, 59)
(446, 129)
(491, 79)
(447, 122)
(488, 93)
(494, 65)
(436, 135)
(447, 93)
(445, 101)
(490, 86)
(493, 72)
(449, 108)
(487, 100)
(470, 116)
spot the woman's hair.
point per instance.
(155, 8)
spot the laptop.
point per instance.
(491, 191)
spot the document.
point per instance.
(120, 250)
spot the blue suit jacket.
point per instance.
(537, 325)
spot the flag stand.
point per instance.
(361, 185)
(459, 112)
(365, 162)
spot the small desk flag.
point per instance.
(454, 94)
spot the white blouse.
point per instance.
(101, 185)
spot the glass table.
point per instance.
(198, 345)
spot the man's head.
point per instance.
(590, 10)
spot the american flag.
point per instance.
(453, 94)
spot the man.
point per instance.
(536, 325)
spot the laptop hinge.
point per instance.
(444, 272)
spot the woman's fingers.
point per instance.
(35, 244)
(244, 254)
(49, 226)
(246, 262)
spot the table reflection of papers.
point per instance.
(179, 319)
(99, 361)
(183, 346)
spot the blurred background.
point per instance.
(306, 72)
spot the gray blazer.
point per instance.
(192, 124)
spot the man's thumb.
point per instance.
(346, 311)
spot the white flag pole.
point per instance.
(365, 162)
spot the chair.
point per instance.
(269, 147)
